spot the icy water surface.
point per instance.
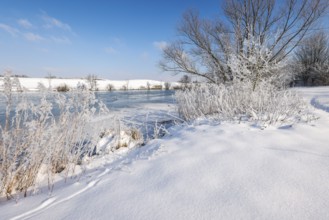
(133, 99)
(132, 107)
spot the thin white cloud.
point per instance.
(161, 45)
(12, 31)
(25, 23)
(60, 40)
(33, 37)
(51, 22)
(110, 50)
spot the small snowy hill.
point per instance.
(203, 171)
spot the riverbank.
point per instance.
(35, 84)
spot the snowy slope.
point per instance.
(203, 171)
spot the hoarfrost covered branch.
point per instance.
(205, 46)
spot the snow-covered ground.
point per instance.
(202, 171)
(33, 84)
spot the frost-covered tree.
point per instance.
(206, 46)
(311, 60)
(148, 85)
(257, 66)
(185, 79)
(92, 81)
(167, 85)
(110, 87)
(50, 77)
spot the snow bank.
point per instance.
(33, 84)
(202, 171)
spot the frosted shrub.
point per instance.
(54, 133)
(256, 90)
(62, 88)
(121, 137)
(266, 104)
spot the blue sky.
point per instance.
(114, 39)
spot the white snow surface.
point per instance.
(206, 170)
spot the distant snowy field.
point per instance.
(206, 170)
(33, 84)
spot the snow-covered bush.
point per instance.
(257, 90)
(54, 133)
(114, 139)
(266, 104)
(62, 88)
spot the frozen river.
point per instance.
(132, 107)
